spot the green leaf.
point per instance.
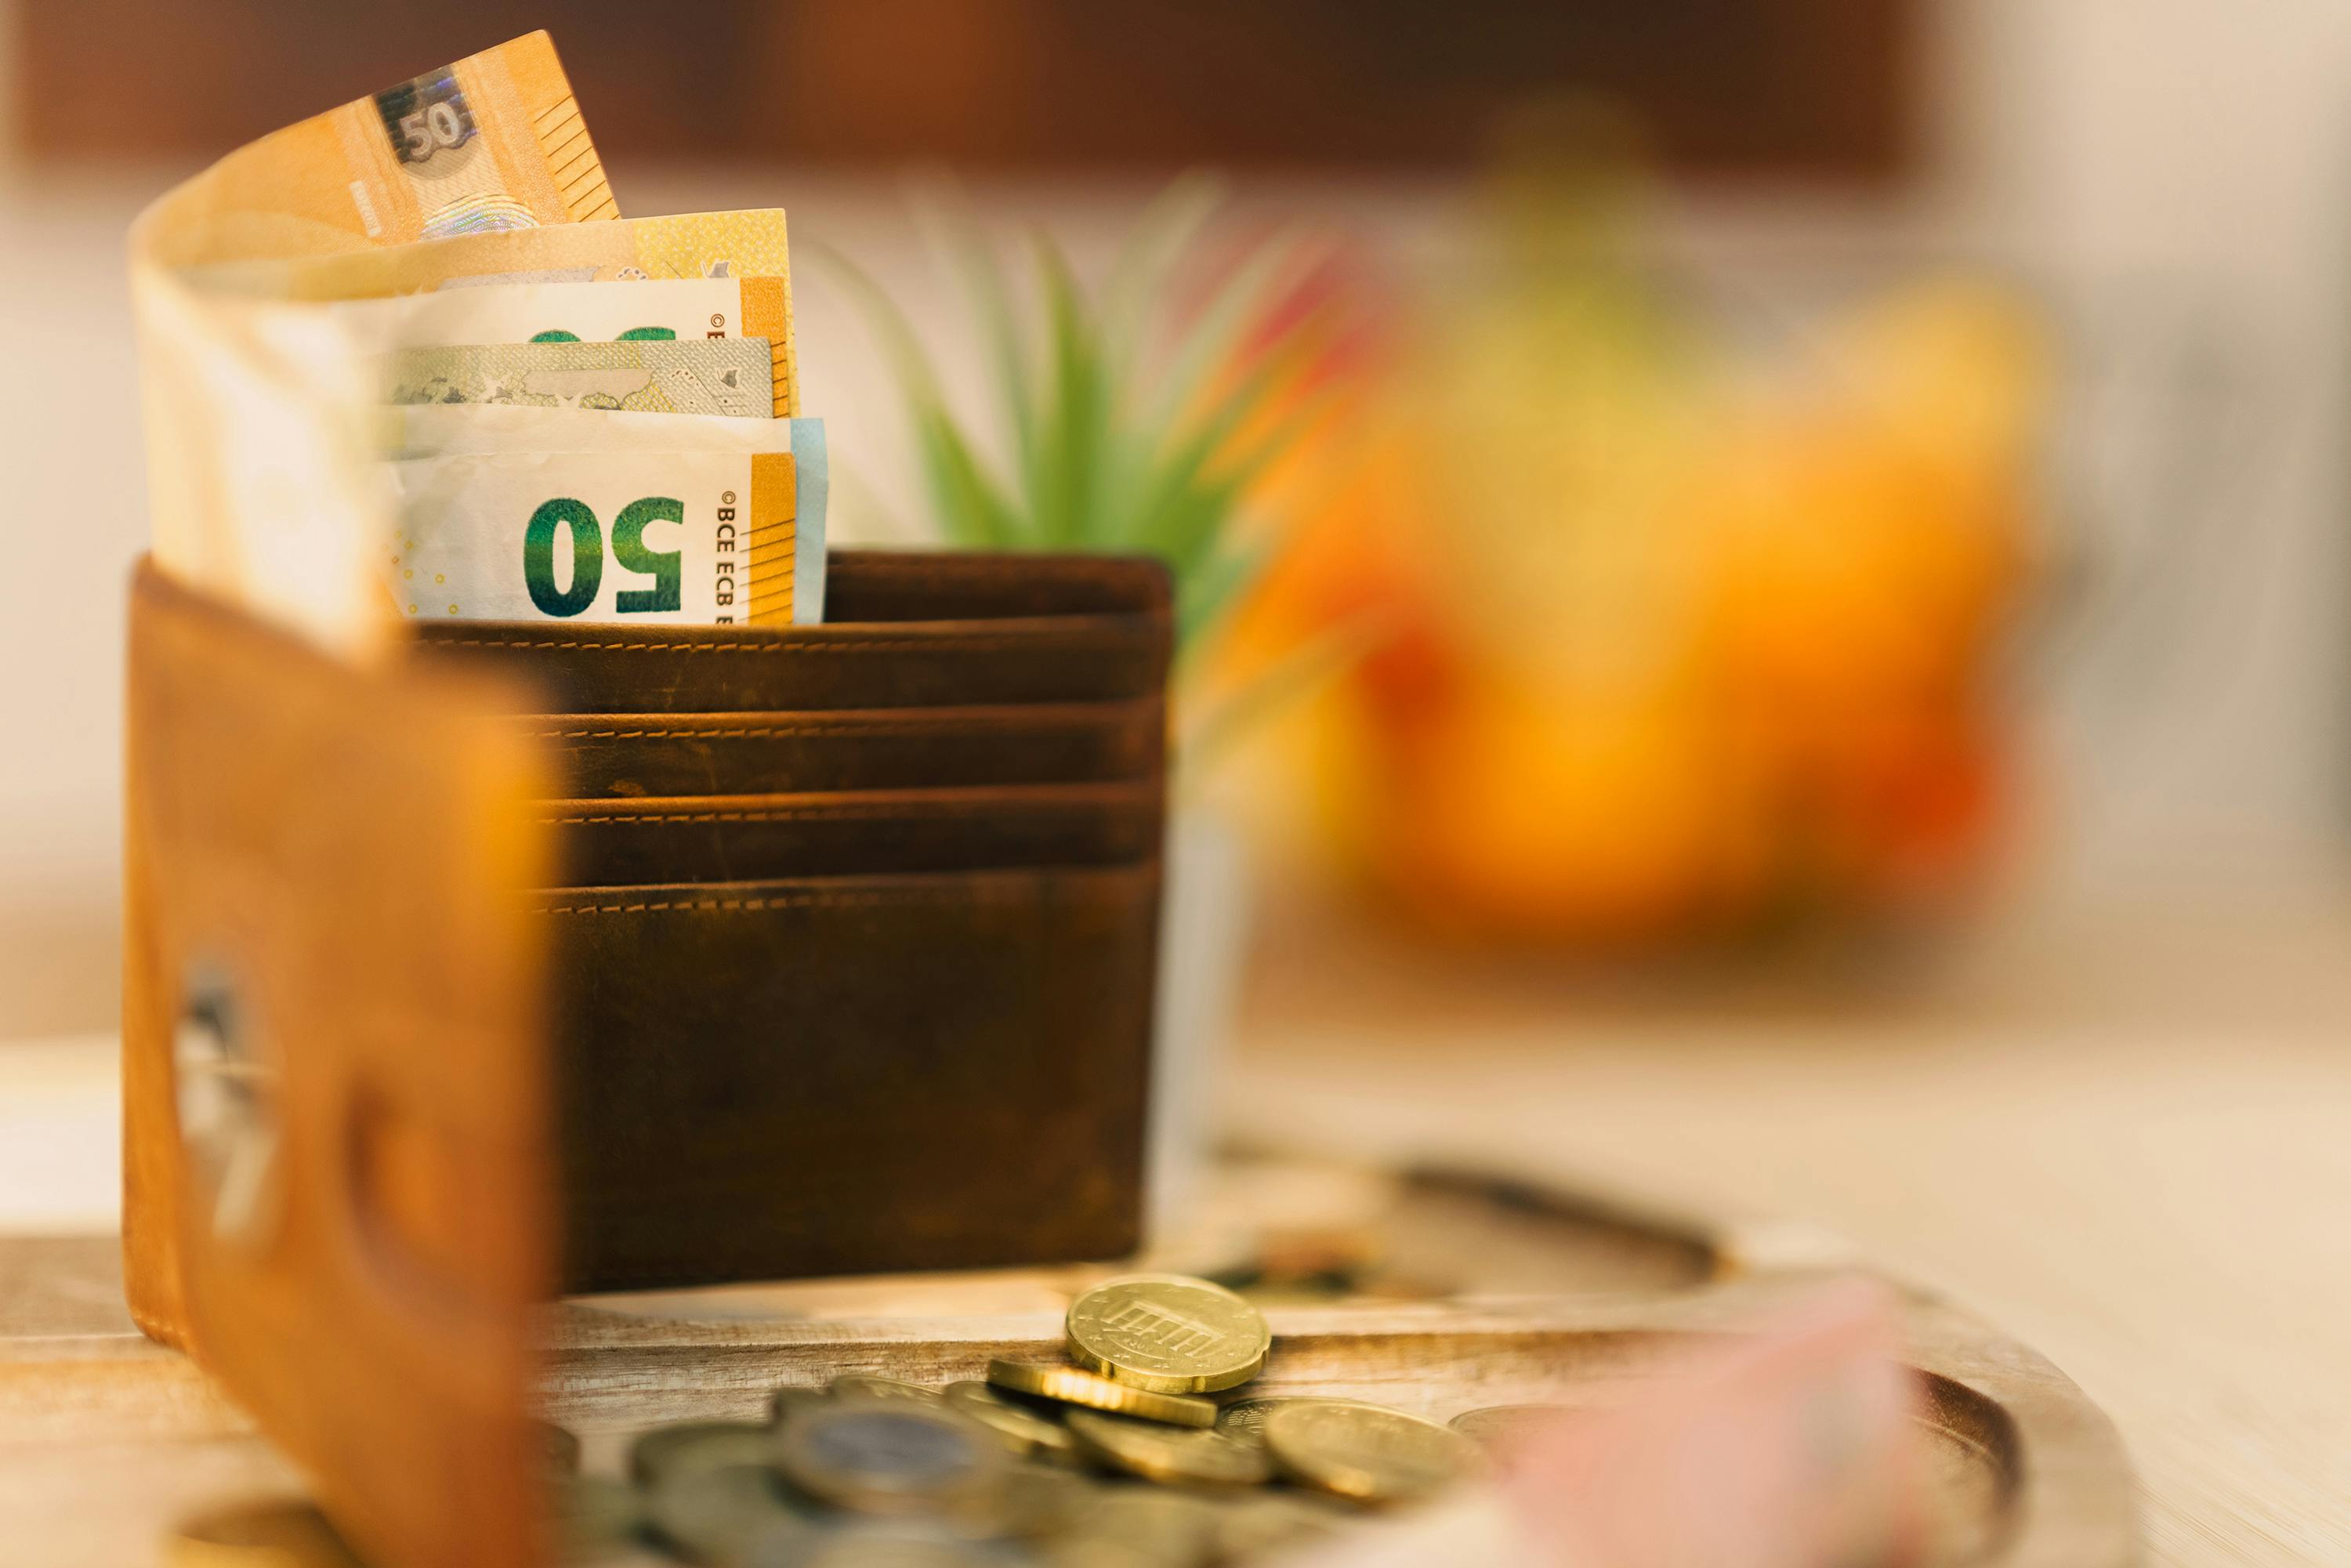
(1212, 586)
(964, 248)
(1104, 452)
(972, 508)
(1071, 439)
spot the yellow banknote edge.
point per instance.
(775, 554)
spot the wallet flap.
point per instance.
(337, 1156)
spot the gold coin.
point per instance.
(1040, 1502)
(286, 1532)
(1244, 1419)
(1022, 1429)
(1506, 1422)
(1168, 1334)
(1273, 1522)
(1365, 1452)
(1070, 1386)
(1140, 1527)
(858, 1385)
(684, 1445)
(1174, 1455)
(889, 1455)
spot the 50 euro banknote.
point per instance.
(526, 514)
(693, 275)
(682, 312)
(255, 404)
(728, 376)
(492, 141)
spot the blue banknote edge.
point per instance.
(812, 483)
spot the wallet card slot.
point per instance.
(834, 1076)
(642, 755)
(949, 585)
(733, 838)
(726, 669)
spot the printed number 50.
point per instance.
(430, 129)
(564, 515)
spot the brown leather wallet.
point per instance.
(841, 959)
(853, 945)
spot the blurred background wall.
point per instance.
(2171, 174)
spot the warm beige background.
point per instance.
(2174, 166)
(2122, 1141)
(2117, 1125)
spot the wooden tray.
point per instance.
(1433, 1292)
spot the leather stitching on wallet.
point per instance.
(800, 814)
(797, 646)
(778, 732)
(781, 901)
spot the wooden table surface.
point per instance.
(2127, 1140)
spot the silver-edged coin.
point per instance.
(598, 1518)
(889, 1455)
(730, 1515)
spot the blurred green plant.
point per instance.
(1124, 426)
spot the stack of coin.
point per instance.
(1141, 1449)
(1144, 1449)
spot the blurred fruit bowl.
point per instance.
(1668, 641)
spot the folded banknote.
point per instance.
(464, 310)
(256, 406)
(492, 141)
(747, 250)
(726, 376)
